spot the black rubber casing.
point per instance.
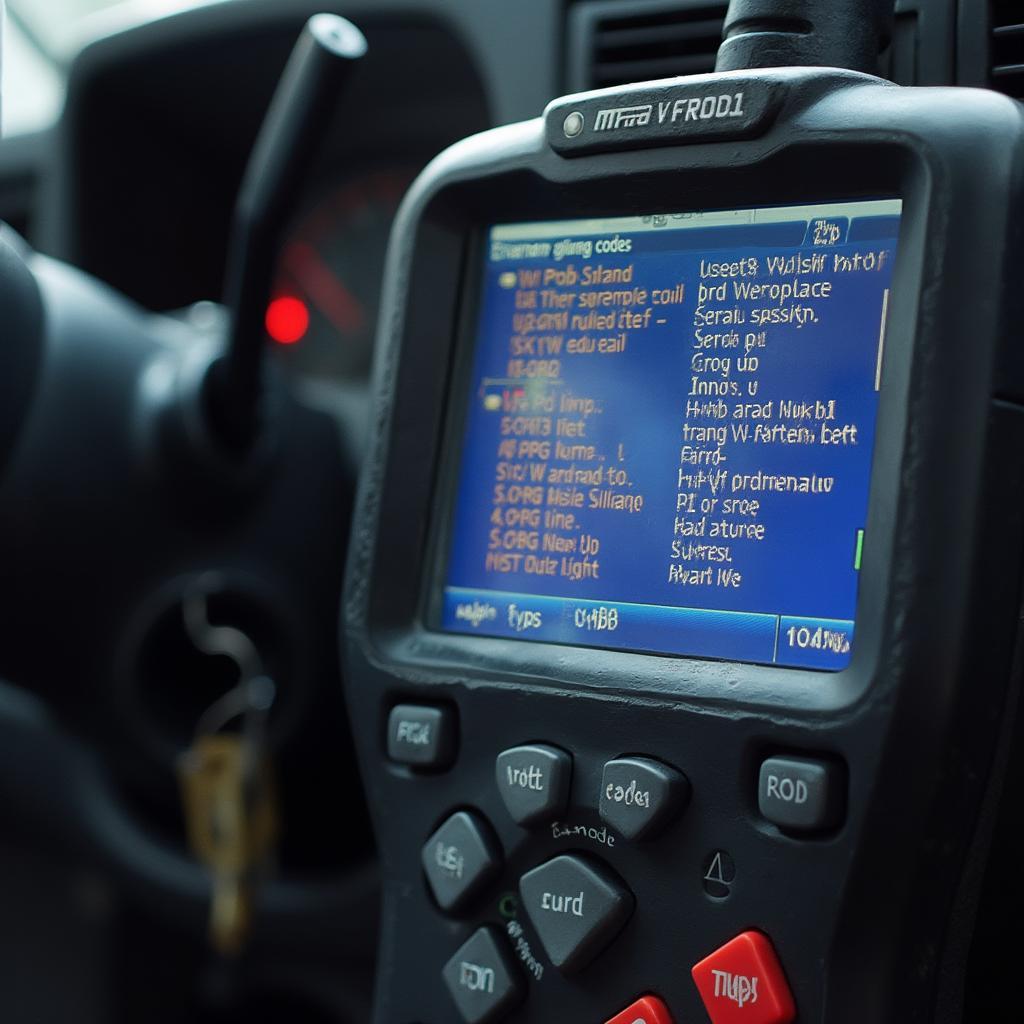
(870, 921)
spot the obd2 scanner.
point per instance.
(683, 596)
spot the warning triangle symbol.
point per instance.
(715, 871)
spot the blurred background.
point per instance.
(42, 36)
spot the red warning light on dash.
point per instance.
(287, 320)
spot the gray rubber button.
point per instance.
(459, 859)
(639, 796)
(577, 906)
(534, 782)
(421, 736)
(483, 978)
(801, 794)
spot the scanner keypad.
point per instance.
(577, 903)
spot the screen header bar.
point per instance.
(536, 230)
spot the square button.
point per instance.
(640, 797)
(577, 906)
(801, 794)
(534, 782)
(421, 736)
(646, 1010)
(459, 859)
(483, 978)
(742, 983)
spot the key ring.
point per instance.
(253, 696)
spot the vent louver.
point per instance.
(636, 42)
(1007, 47)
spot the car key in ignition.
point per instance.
(227, 782)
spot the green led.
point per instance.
(859, 553)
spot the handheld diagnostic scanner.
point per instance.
(684, 588)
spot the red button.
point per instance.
(743, 983)
(646, 1010)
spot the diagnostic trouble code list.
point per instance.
(669, 432)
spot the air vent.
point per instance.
(1007, 61)
(637, 41)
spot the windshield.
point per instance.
(61, 27)
(42, 36)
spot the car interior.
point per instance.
(509, 513)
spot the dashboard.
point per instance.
(143, 192)
(323, 311)
(138, 180)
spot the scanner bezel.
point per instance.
(923, 715)
(522, 179)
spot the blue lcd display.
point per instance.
(669, 431)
